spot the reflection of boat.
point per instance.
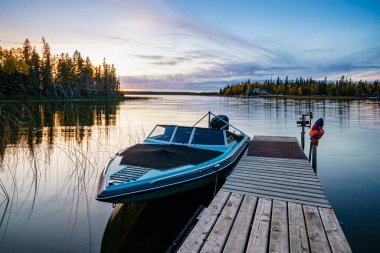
(172, 159)
(135, 227)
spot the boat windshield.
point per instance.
(162, 133)
(182, 135)
(208, 137)
(188, 135)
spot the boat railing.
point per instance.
(209, 113)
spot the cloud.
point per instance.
(222, 74)
(181, 33)
(106, 37)
(169, 63)
(163, 60)
(113, 37)
(165, 83)
(320, 50)
(174, 49)
(149, 57)
(345, 68)
(223, 38)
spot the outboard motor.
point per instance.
(219, 122)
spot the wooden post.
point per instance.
(311, 146)
(314, 157)
(303, 123)
(303, 133)
(209, 119)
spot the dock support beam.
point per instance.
(313, 156)
(303, 138)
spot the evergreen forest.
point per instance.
(24, 73)
(344, 87)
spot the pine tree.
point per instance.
(88, 77)
(28, 79)
(63, 78)
(35, 74)
(27, 50)
(113, 79)
(105, 77)
(98, 81)
(286, 89)
(46, 70)
(77, 72)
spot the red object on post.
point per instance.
(316, 131)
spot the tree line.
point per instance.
(305, 87)
(25, 73)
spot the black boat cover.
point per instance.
(164, 157)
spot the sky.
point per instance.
(205, 44)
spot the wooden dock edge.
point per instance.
(269, 204)
(244, 223)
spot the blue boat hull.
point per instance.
(176, 184)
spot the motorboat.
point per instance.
(173, 159)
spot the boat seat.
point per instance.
(165, 157)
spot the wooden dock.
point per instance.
(271, 202)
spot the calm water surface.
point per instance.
(51, 156)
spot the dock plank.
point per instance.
(274, 138)
(279, 172)
(279, 183)
(274, 161)
(276, 175)
(276, 194)
(335, 235)
(315, 230)
(197, 236)
(277, 168)
(297, 230)
(301, 165)
(274, 188)
(218, 236)
(258, 239)
(239, 233)
(278, 186)
(268, 179)
(304, 202)
(278, 241)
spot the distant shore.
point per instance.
(184, 93)
(81, 99)
(315, 97)
(132, 95)
(190, 93)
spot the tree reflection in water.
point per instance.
(50, 157)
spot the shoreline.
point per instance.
(52, 100)
(317, 97)
(148, 94)
(178, 93)
(185, 93)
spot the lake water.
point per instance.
(51, 156)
